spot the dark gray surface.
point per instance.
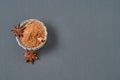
(83, 42)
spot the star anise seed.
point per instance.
(18, 30)
(30, 56)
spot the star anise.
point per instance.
(30, 56)
(18, 30)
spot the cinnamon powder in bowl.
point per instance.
(34, 35)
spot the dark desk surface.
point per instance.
(83, 41)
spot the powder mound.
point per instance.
(33, 34)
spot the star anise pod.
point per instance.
(18, 30)
(30, 56)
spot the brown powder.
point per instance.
(33, 34)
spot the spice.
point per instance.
(32, 32)
(18, 30)
(30, 56)
(30, 35)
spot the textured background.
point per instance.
(83, 41)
